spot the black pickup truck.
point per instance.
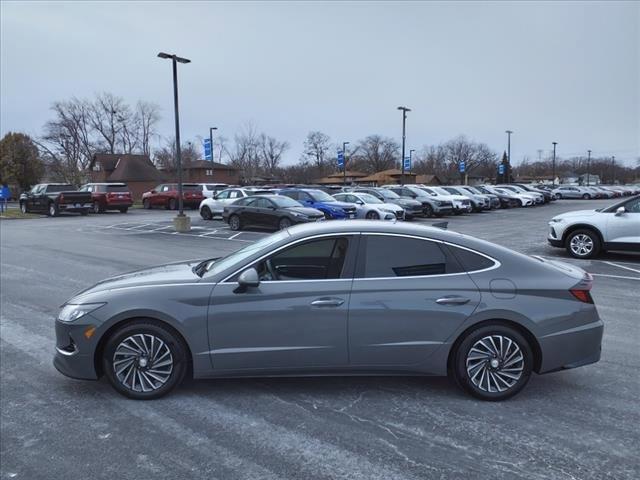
(53, 198)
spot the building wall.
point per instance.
(199, 175)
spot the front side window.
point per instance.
(223, 195)
(261, 203)
(633, 206)
(235, 194)
(390, 256)
(320, 259)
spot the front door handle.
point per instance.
(453, 300)
(327, 302)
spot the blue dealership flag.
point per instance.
(462, 166)
(208, 151)
(407, 163)
(340, 159)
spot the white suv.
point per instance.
(585, 233)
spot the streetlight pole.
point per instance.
(508, 132)
(554, 163)
(588, 166)
(344, 163)
(404, 124)
(181, 222)
(211, 129)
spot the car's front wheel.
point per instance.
(97, 208)
(146, 204)
(23, 208)
(53, 209)
(493, 362)
(144, 360)
(172, 205)
(586, 196)
(372, 215)
(428, 211)
(284, 223)
(583, 244)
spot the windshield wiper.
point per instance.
(202, 268)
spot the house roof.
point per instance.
(348, 173)
(208, 164)
(428, 179)
(107, 161)
(385, 175)
(135, 168)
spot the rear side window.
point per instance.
(393, 256)
(471, 261)
(117, 188)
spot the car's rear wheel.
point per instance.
(583, 244)
(235, 223)
(124, 209)
(284, 223)
(146, 204)
(144, 360)
(372, 215)
(172, 204)
(205, 213)
(493, 362)
(97, 208)
(23, 207)
(586, 196)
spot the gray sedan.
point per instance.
(336, 298)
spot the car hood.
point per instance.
(577, 213)
(171, 273)
(311, 212)
(337, 204)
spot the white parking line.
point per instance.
(637, 279)
(234, 236)
(622, 266)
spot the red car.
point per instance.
(109, 196)
(166, 195)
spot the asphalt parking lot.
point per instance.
(576, 424)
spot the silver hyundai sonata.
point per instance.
(336, 298)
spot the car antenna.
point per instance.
(442, 225)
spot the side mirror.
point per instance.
(360, 202)
(620, 211)
(248, 278)
(153, 191)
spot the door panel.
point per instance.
(624, 228)
(275, 326)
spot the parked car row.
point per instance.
(592, 192)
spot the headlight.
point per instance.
(70, 313)
(555, 220)
(299, 215)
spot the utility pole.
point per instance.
(508, 172)
(182, 223)
(588, 165)
(554, 163)
(404, 122)
(613, 164)
(344, 163)
(211, 129)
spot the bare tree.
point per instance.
(245, 155)
(108, 114)
(316, 149)
(378, 153)
(271, 151)
(148, 115)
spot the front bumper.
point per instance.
(74, 355)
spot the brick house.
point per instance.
(137, 171)
(387, 177)
(205, 171)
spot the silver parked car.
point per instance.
(338, 298)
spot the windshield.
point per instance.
(320, 196)
(440, 191)
(218, 266)
(388, 194)
(473, 190)
(367, 198)
(285, 202)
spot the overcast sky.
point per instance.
(568, 72)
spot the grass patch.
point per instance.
(15, 213)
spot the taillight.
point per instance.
(582, 295)
(61, 198)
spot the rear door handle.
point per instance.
(327, 302)
(453, 300)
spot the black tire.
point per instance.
(327, 216)
(428, 211)
(172, 204)
(586, 196)
(235, 223)
(205, 213)
(589, 240)
(459, 369)
(53, 209)
(146, 204)
(97, 208)
(372, 215)
(84, 212)
(284, 223)
(175, 345)
(23, 208)
(124, 209)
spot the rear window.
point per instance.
(191, 187)
(471, 261)
(117, 188)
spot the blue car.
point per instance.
(332, 208)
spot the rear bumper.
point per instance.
(118, 205)
(571, 348)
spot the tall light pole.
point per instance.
(554, 163)
(508, 132)
(588, 165)
(211, 129)
(344, 162)
(404, 124)
(181, 222)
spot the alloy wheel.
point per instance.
(495, 363)
(142, 362)
(581, 244)
(23, 207)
